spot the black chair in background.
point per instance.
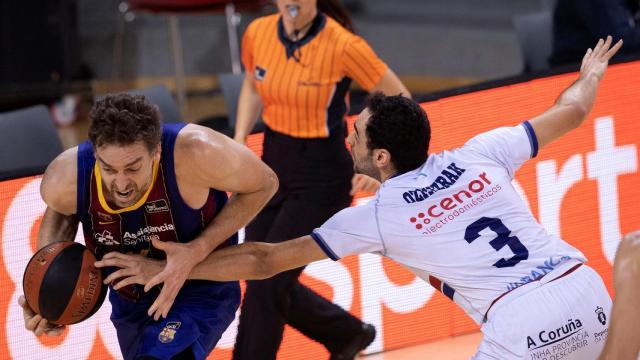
(535, 35)
(231, 84)
(548, 4)
(174, 8)
(161, 96)
(28, 142)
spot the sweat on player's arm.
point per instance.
(202, 159)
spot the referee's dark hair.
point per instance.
(334, 9)
(400, 126)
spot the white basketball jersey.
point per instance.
(457, 222)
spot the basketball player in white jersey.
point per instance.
(455, 220)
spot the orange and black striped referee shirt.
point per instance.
(304, 85)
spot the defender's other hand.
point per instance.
(595, 61)
(181, 258)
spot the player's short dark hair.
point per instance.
(123, 119)
(400, 126)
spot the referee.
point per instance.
(299, 65)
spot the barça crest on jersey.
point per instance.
(259, 73)
(169, 332)
(601, 315)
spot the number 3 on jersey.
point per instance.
(520, 251)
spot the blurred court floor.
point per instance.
(455, 348)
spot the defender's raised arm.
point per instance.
(574, 104)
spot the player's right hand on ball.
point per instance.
(36, 323)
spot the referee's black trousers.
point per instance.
(314, 184)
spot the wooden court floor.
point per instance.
(454, 348)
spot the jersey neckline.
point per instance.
(290, 47)
(135, 206)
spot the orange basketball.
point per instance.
(62, 284)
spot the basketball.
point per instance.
(62, 284)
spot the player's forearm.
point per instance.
(390, 84)
(56, 227)
(249, 106)
(237, 213)
(257, 260)
(579, 98)
(248, 261)
(622, 341)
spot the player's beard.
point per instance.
(365, 166)
(132, 190)
(131, 195)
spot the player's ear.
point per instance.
(157, 153)
(381, 157)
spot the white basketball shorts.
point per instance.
(552, 319)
